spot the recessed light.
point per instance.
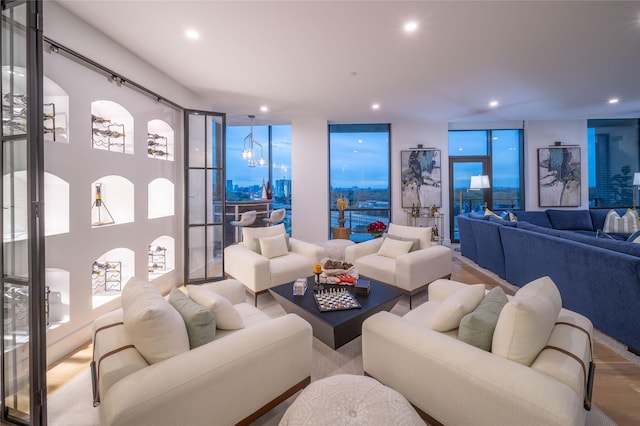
(375, 106)
(264, 108)
(410, 26)
(494, 104)
(614, 100)
(192, 34)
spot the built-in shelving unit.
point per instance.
(111, 127)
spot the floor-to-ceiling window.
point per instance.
(613, 158)
(359, 171)
(245, 180)
(497, 154)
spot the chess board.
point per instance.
(335, 300)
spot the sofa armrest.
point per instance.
(223, 381)
(247, 266)
(233, 290)
(418, 268)
(311, 251)
(356, 251)
(435, 372)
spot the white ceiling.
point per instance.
(332, 59)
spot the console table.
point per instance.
(426, 219)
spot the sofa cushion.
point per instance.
(476, 328)
(251, 236)
(474, 215)
(200, 321)
(416, 241)
(525, 323)
(393, 248)
(157, 330)
(275, 246)
(423, 234)
(570, 219)
(616, 223)
(539, 218)
(456, 306)
(227, 317)
(501, 221)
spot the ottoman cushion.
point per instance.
(350, 399)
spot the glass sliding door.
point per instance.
(23, 316)
(464, 198)
(205, 192)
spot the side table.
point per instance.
(341, 233)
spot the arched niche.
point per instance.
(112, 201)
(56, 112)
(161, 199)
(111, 127)
(56, 296)
(161, 256)
(160, 140)
(109, 273)
(56, 213)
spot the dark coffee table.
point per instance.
(335, 328)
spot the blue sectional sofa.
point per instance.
(597, 277)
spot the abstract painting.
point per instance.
(559, 177)
(421, 178)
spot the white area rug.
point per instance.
(71, 405)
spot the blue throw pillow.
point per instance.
(634, 238)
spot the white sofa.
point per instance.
(233, 379)
(456, 383)
(267, 257)
(410, 269)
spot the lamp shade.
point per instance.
(636, 178)
(481, 182)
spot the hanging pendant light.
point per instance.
(248, 153)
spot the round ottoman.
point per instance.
(335, 248)
(347, 399)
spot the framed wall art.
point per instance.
(559, 170)
(421, 178)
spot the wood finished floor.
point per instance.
(617, 382)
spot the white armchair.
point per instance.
(409, 267)
(267, 257)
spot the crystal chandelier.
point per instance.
(248, 153)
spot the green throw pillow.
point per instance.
(200, 321)
(476, 328)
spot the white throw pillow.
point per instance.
(394, 248)
(275, 246)
(227, 316)
(448, 315)
(251, 235)
(526, 322)
(628, 223)
(156, 328)
(424, 234)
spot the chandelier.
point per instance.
(248, 152)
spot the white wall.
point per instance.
(80, 165)
(310, 179)
(310, 164)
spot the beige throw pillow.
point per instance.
(423, 234)
(526, 322)
(227, 316)
(393, 248)
(251, 235)
(275, 246)
(628, 223)
(156, 328)
(448, 315)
